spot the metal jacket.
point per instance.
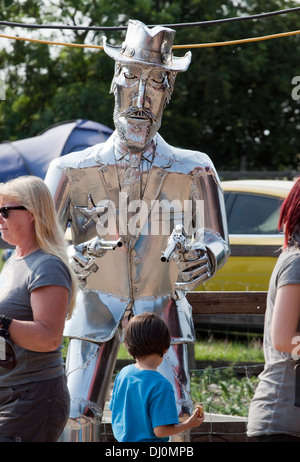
(133, 276)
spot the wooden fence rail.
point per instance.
(227, 302)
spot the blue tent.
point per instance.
(32, 156)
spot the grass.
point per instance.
(212, 349)
(236, 350)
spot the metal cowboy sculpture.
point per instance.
(136, 191)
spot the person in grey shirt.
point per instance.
(37, 293)
(274, 413)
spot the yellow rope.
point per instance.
(234, 42)
(200, 45)
(78, 45)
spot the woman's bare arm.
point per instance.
(286, 317)
(49, 306)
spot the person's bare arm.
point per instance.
(49, 305)
(195, 420)
(286, 317)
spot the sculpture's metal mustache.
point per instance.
(138, 114)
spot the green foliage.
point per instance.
(210, 349)
(234, 102)
(224, 390)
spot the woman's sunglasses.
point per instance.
(4, 211)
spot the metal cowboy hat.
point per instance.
(148, 46)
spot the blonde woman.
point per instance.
(37, 294)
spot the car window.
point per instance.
(252, 213)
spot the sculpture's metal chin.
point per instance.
(136, 134)
(136, 188)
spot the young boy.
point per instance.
(143, 402)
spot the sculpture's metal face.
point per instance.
(141, 93)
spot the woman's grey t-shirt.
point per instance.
(18, 278)
(272, 409)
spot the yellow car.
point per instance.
(252, 208)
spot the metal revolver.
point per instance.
(84, 255)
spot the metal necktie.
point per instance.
(131, 186)
(132, 178)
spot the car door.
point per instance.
(254, 239)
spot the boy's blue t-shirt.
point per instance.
(141, 400)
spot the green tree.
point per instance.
(234, 102)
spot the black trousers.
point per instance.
(34, 412)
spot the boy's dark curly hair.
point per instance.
(146, 334)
